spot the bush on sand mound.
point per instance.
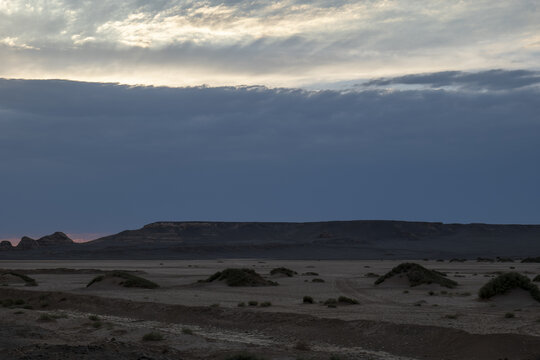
(531, 260)
(28, 281)
(128, 280)
(240, 277)
(536, 278)
(283, 271)
(417, 275)
(502, 284)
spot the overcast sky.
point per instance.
(266, 111)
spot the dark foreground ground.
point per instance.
(217, 333)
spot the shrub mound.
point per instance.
(531, 260)
(506, 282)
(536, 278)
(240, 277)
(347, 300)
(283, 271)
(152, 336)
(417, 275)
(128, 280)
(28, 281)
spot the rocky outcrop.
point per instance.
(27, 243)
(56, 239)
(5, 245)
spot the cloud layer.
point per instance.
(92, 157)
(484, 80)
(275, 43)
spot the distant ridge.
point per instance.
(57, 239)
(359, 239)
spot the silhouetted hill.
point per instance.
(5, 245)
(312, 240)
(56, 239)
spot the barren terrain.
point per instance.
(203, 320)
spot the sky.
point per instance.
(116, 114)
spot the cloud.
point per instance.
(94, 157)
(491, 80)
(279, 43)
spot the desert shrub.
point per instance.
(283, 271)
(504, 259)
(451, 316)
(310, 273)
(187, 331)
(457, 260)
(97, 324)
(405, 291)
(241, 304)
(506, 282)
(253, 303)
(536, 278)
(129, 280)
(371, 275)
(531, 260)
(19, 302)
(317, 280)
(307, 300)
(215, 305)
(482, 259)
(347, 300)
(302, 346)
(46, 318)
(152, 336)
(509, 315)
(240, 277)
(330, 302)
(7, 302)
(243, 356)
(265, 304)
(28, 281)
(417, 275)
(93, 318)
(431, 293)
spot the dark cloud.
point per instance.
(491, 79)
(87, 157)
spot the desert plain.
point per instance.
(65, 319)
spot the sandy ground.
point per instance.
(392, 320)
